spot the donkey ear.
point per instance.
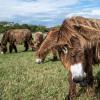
(77, 27)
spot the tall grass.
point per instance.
(22, 79)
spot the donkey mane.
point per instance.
(88, 28)
(89, 33)
(54, 30)
(68, 31)
(91, 36)
(95, 23)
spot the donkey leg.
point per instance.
(15, 48)
(10, 48)
(54, 52)
(26, 45)
(72, 89)
(89, 72)
(54, 58)
(90, 80)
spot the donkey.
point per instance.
(38, 40)
(76, 50)
(16, 36)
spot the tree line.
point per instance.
(4, 26)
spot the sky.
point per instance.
(47, 12)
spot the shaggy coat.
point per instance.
(38, 39)
(93, 39)
(77, 47)
(16, 36)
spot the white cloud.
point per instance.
(46, 11)
(22, 8)
(95, 12)
(90, 12)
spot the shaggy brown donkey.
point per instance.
(52, 50)
(38, 39)
(75, 50)
(15, 36)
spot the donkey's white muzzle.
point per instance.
(38, 61)
(2, 53)
(77, 72)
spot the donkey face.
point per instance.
(73, 62)
(3, 48)
(40, 56)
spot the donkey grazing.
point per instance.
(77, 47)
(38, 40)
(15, 36)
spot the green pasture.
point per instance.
(22, 79)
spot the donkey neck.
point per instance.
(4, 39)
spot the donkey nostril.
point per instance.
(76, 80)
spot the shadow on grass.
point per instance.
(13, 52)
(82, 90)
(97, 84)
(51, 60)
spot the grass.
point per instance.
(22, 79)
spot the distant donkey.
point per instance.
(38, 44)
(13, 37)
(38, 39)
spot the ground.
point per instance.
(22, 79)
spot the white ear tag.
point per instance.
(65, 50)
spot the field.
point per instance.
(22, 79)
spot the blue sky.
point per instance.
(47, 12)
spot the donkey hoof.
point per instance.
(68, 97)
